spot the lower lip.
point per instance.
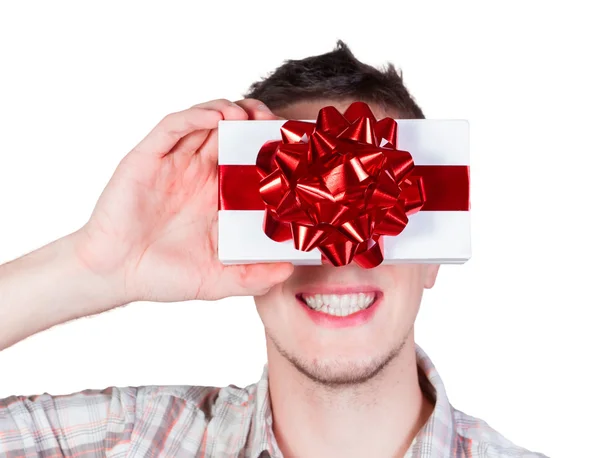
(333, 321)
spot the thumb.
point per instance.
(254, 279)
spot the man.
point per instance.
(344, 375)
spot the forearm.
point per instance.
(47, 287)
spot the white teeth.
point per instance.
(339, 304)
(319, 300)
(345, 301)
(361, 298)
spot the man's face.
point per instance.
(342, 325)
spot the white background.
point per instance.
(513, 332)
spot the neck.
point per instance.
(380, 417)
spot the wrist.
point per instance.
(50, 286)
(101, 282)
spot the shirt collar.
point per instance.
(434, 439)
(262, 438)
(437, 436)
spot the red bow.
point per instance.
(338, 185)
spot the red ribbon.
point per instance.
(339, 185)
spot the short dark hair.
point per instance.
(336, 75)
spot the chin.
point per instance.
(347, 366)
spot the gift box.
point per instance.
(344, 188)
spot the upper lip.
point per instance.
(339, 289)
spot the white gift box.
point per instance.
(430, 236)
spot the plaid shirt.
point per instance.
(184, 421)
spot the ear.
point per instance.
(431, 271)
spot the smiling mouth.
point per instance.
(339, 304)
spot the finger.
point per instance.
(256, 109)
(231, 110)
(247, 109)
(191, 143)
(239, 110)
(175, 126)
(253, 279)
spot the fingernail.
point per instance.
(263, 107)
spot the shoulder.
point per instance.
(140, 421)
(133, 401)
(128, 400)
(477, 439)
(208, 399)
(203, 420)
